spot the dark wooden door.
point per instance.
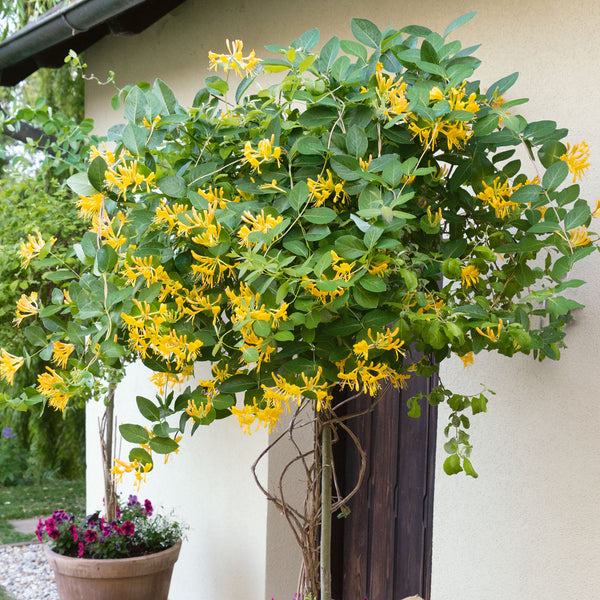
(382, 549)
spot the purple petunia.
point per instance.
(80, 551)
(148, 508)
(7, 432)
(54, 534)
(132, 500)
(90, 536)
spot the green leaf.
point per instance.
(141, 455)
(469, 470)
(134, 434)
(366, 32)
(60, 275)
(459, 22)
(173, 185)
(35, 334)
(111, 349)
(346, 167)
(486, 125)
(261, 328)
(502, 85)
(318, 116)
(578, 216)
(135, 105)
(479, 404)
(356, 141)
(251, 355)
(242, 88)
(134, 138)
(81, 185)
(555, 175)
(328, 54)
(166, 97)
(106, 258)
(163, 445)
(393, 173)
(237, 383)
(223, 401)
(372, 283)
(147, 408)
(299, 195)
(320, 215)
(310, 145)
(372, 235)
(350, 247)
(96, 172)
(452, 465)
(355, 49)
(308, 40)
(365, 298)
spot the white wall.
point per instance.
(208, 485)
(529, 526)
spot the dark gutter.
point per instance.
(74, 25)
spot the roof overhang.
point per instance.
(74, 25)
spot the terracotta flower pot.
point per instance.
(140, 578)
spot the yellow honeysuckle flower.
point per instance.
(577, 159)
(47, 386)
(32, 247)
(323, 188)
(234, 60)
(27, 306)
(497, 196)
(490, 333)
(467, 359)
(9, 365)
(434, 220)
(90, 205)
(469, 275)
(61, 353)
(596, 211)
(579, 237)
(265, 152)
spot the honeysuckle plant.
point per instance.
(376, 211)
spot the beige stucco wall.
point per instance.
(529, 526)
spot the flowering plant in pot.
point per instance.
(130, 557)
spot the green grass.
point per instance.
(33, 501)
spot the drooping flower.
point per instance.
(61, 353)
(9, 365)
(577, 159)
(32, 247)
(489, 333)
(27, 306)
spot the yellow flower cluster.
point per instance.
(577, 159)
(469, 275)
(9, 365)
(121, 467)
(246, 310)
(324, 187)
(497, 196)
(489, 333)
(382, 341)
(235, 60)
(370, 377)
(61, 353)
(265, 152)
(149, 331)
(32, 247)
(53, 386)
(391, 93)
(256, 223)
(27, 306)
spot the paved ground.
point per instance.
(24, 525)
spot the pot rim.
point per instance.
(95, 567)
